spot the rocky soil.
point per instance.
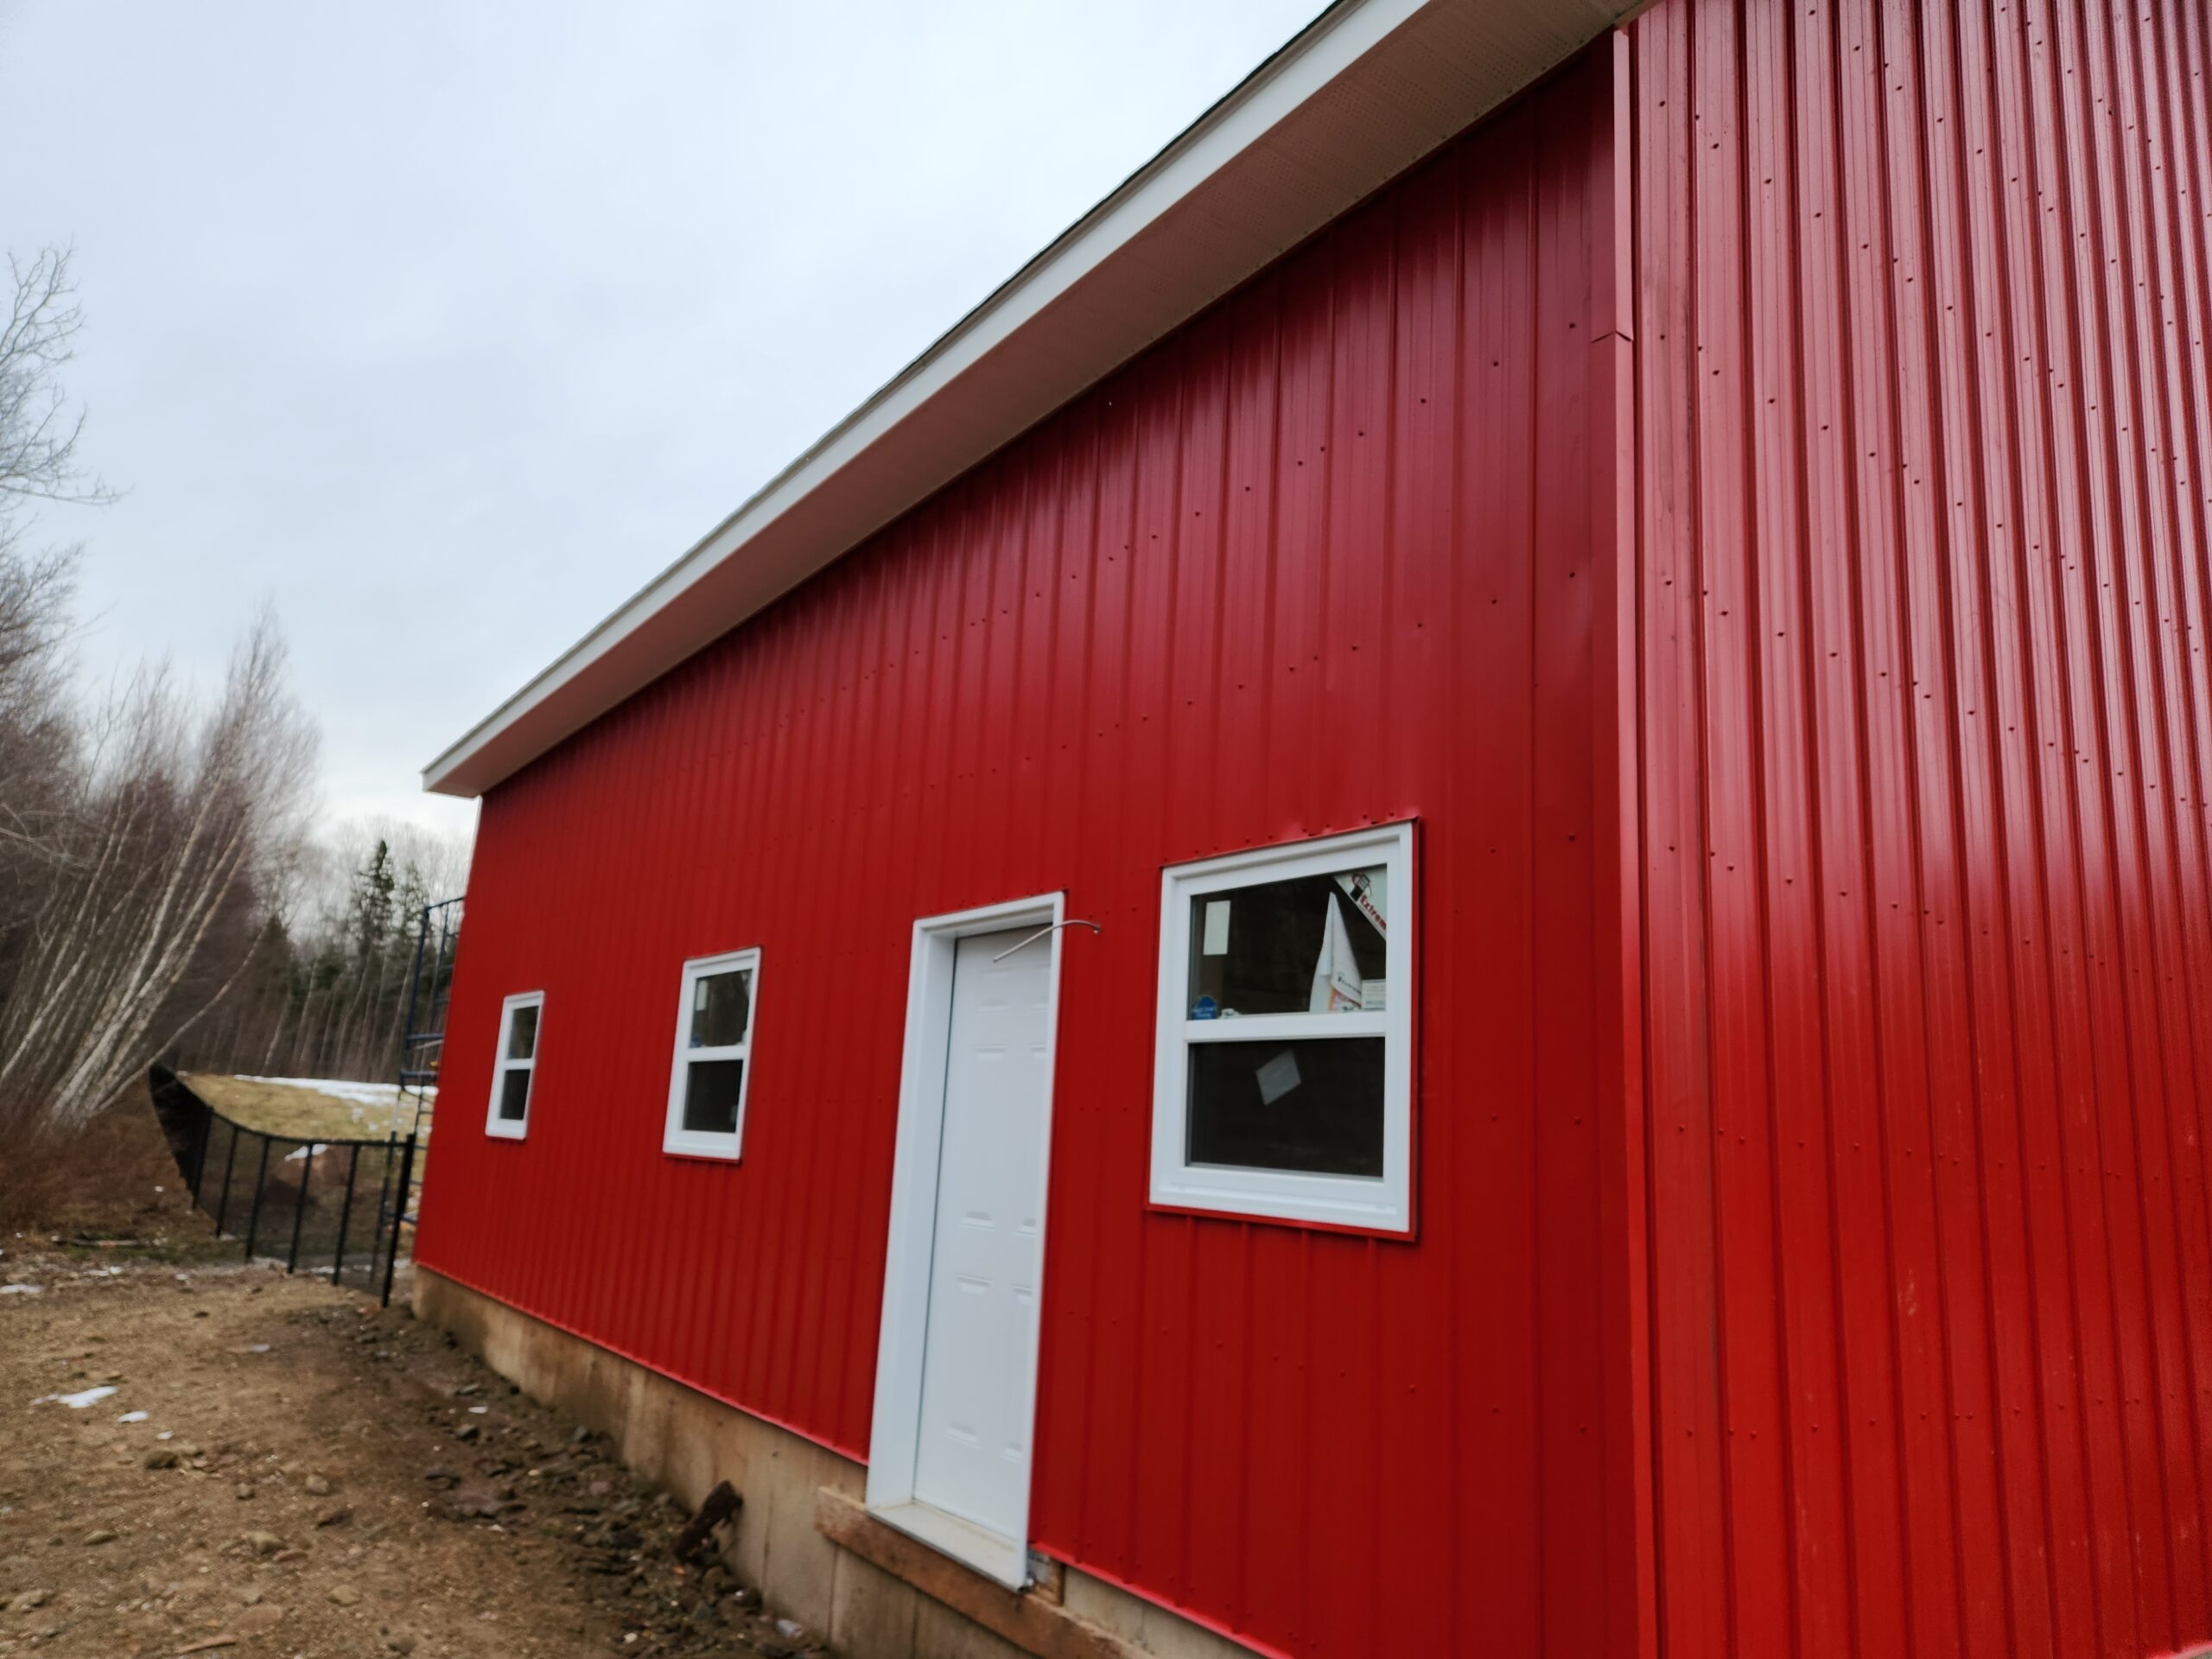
(212, 1458)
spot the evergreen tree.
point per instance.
(372, 905)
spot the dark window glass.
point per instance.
(1314, 1105)
(720, 1004)
(521, 1033)
(514, 1095)
(1277, 947)
(710, 1093)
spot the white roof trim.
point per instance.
(1365, 91)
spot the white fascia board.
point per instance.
(1365, 91)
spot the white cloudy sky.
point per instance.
(444, 327)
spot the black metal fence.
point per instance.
(423, 1040)
(333, 1206)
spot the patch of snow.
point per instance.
(360, 1094)
(76, 1401)
(299, 1154)
(134, 1417)
(23, 1290)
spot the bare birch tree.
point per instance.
(39, 436)
(158, 891)
(140, 844)
(171, 823)
(35, 732)
(40, 429)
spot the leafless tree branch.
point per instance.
(40, 431)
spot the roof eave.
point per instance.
(1364, 91)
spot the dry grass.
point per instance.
(296, 1113)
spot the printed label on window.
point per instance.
(1369, 893)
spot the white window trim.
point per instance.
(514, 1128)
(676, 1140)
(1368, 1203)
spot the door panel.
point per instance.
(978, 1388)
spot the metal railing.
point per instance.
(423, 1034)
(319, 1206)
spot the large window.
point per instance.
(1285, 1081)
(714, 1044)
(516, 1067)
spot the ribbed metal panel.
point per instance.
(1323, 559)
(1924, 416)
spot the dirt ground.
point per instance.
(283, 1468)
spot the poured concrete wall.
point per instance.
(687, 1441)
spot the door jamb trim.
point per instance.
(894, 1439)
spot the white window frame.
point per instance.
(514, 1128)
(676, 1140)
(1368, 1204)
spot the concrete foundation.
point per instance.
(876, 1594)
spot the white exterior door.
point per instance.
(972, 1451)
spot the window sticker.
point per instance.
(1278, 1077)
(1217, 936)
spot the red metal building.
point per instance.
(1629, 598)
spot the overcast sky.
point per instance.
(446, 326)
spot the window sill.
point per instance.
(1389, 1223)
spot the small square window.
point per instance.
(711, 1097)
(714, 1044)
(516, 1066)
(1284, 1084)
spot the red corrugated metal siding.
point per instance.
(1924, 414)
(1327, 557)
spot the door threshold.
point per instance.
(991, 1554)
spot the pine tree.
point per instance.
(371, 905)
